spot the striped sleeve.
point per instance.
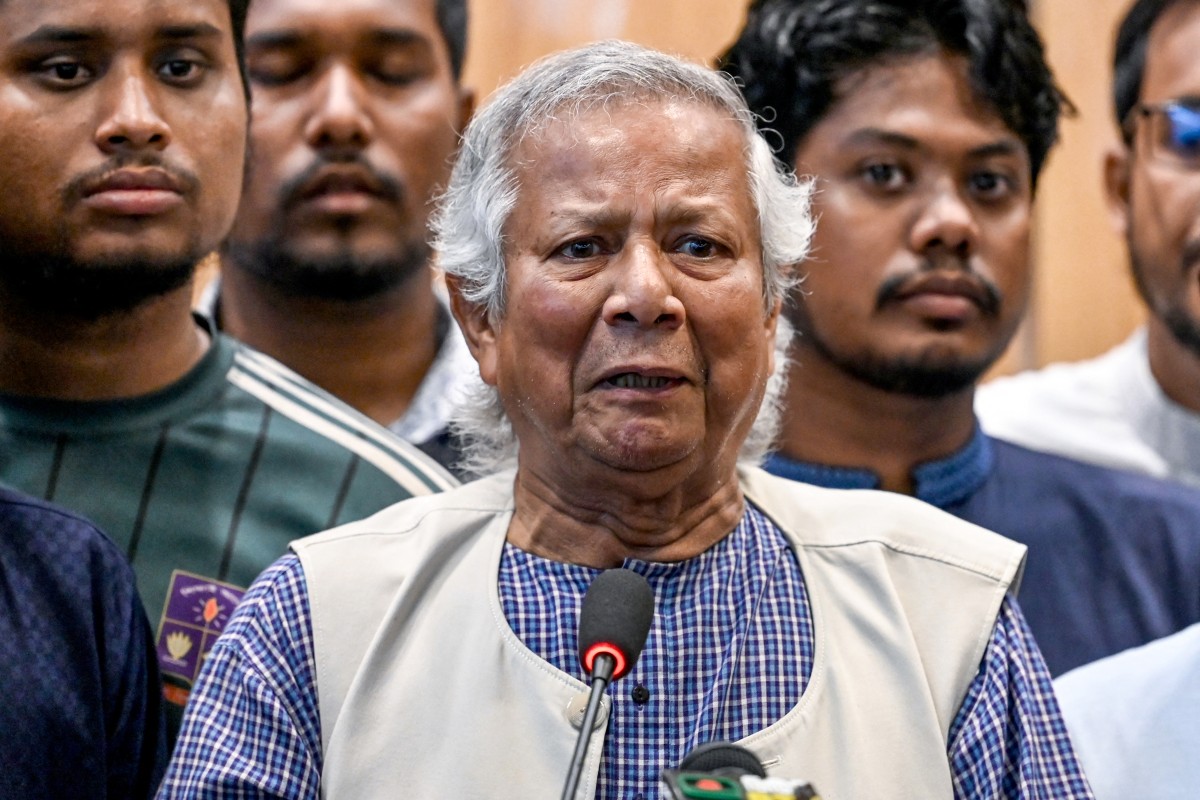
(295, 398)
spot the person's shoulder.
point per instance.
(435, 516)
(1096, 484)
(1098, 371)
(823, 517)
(327, 423)
(1132, 717)
(1074, 387)
(1077, 409)
(1158, 665)
(52, 529)
(63, 561)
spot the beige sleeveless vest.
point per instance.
(425, 692)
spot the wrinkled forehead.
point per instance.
(648, 106)
(582, 135)
(674, 147)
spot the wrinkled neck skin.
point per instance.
(601, 523)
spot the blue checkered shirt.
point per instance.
(731, 651)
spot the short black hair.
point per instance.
(452, 20)
(1129, 55)
(793, 56)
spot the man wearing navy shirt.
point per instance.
(926, 130)
(82, 715)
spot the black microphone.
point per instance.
(613, 624)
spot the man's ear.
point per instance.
(466, 108)
(772, 324)
(477, 329)
(1117, 167)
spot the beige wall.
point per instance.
(509, 34)
(1083, 301)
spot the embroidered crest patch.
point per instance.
(194, 615)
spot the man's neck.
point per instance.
(56, 356)
(1174, 366)
(600, 523)
(835, 419)
(372, 353)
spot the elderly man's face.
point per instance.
(636, 336)
(920, 268)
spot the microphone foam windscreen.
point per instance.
(617, 610)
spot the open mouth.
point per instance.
(632, 380)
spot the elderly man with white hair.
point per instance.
(617, 240)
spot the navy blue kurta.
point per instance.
(1114, 557)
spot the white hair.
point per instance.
(469, 223)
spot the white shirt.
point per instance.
(1133, 719)
(1108, 411)
(442, 389)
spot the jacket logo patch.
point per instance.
(195, 614)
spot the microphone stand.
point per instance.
(601, 675)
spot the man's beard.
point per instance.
(929, 375)
(925, 375)
(56, 282)
(342, 275)
(1184, 328)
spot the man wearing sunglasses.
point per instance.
(1136, 407)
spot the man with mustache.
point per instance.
(1136, 407)
(123, 124)
(356, 112)
(925, 130)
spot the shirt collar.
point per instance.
(942, 482)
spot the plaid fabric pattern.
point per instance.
(1009, 739)
(252, 729)
(724, 623)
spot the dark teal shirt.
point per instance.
(203, 484)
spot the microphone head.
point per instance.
(722, 758)
(615, 618)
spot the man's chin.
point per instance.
(641, 456)
(1184, 328)
(94, 290)
(926, 374)
(348, 274)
